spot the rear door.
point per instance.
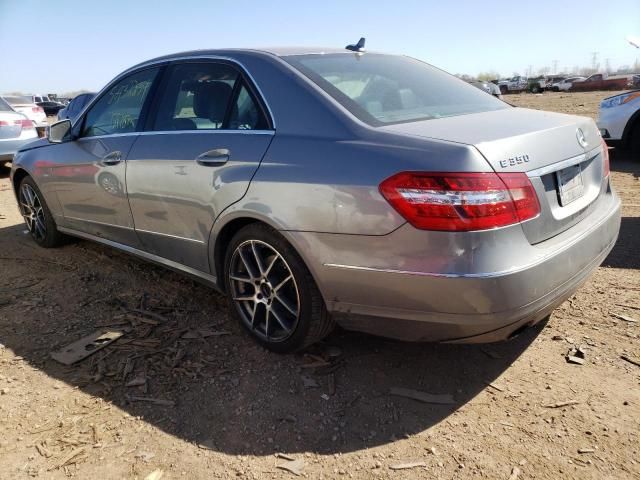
(88, 173)
(204, 140)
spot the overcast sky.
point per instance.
(66, 45)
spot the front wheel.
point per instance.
(272, 292)
(37, 215)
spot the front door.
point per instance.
(204, 143)
(89, 178)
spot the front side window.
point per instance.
(206, 96)
(118, 110)
(385, 89)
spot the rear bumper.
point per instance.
(8, 148)
(475, 287)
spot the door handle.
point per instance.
(112, 158)
(212, 158)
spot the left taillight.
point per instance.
(26, 123)
(605, 157)
(461, 202)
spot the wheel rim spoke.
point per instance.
(282, 283)
(33, 212)
(278, 319)
(246, 264)
(286, 305)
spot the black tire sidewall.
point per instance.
(51, 237)
(307, 289)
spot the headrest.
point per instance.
(210, 100)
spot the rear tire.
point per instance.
(37, 216)
(271, 291)
(633, 142)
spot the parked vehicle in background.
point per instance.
(601, 81)
(16, 131)
(371, 190)
(564, 85)
(50, 108)
(75, 106)
(489, 87)
(26, 106)
(542, 83)
(513, 85)
(619, 120)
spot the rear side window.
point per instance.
(118, 109)
(385, 89)
(4, 106)
(206, 96)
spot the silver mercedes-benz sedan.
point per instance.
(317, 187)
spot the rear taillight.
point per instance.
(605, 157)
(461, 202)
(26, 123)
(37, 109)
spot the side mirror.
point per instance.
(59, 130)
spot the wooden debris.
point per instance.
(561, 404)
(515, 471)
(586, 450)
(155, 401)
(407, 465)
(497, 387)
(156, 316)
(632, 307)
(575, 360)
(285, 456)
(203, 333)
(136, 382)
(295, 466)
(624, 317)
(424, 397)
(69, 459)
(86, 346)
(155, 475)
(630, 360)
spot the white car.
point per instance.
(619, 120)
(565, 85)
(26, 106)
(16, 130)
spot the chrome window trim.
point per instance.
(177, 132)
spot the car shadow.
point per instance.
(203, 379)
(625, 251)
(5, 169)
(625, 161)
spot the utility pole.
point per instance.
(607, 65)
(594, 61)
(555, 66)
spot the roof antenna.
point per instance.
(358, 47)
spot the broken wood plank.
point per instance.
(562, 404)
(296, 466)
(630, 360)
(155, 401)
(624, 317)
(86, 346)
(424, 397)
(407, 465)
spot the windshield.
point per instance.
(4, 106)
(385, 89)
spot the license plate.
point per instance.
(570, 186)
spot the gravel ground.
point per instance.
(187, 393)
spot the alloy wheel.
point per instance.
(264, 290)
(32, 211)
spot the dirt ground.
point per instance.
(186, 392)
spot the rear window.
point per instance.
(18, 100)
(4, 106)
(385, 89)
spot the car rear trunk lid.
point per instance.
(561, 154)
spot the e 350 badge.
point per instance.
(513, 161)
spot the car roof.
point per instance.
(261, 51)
